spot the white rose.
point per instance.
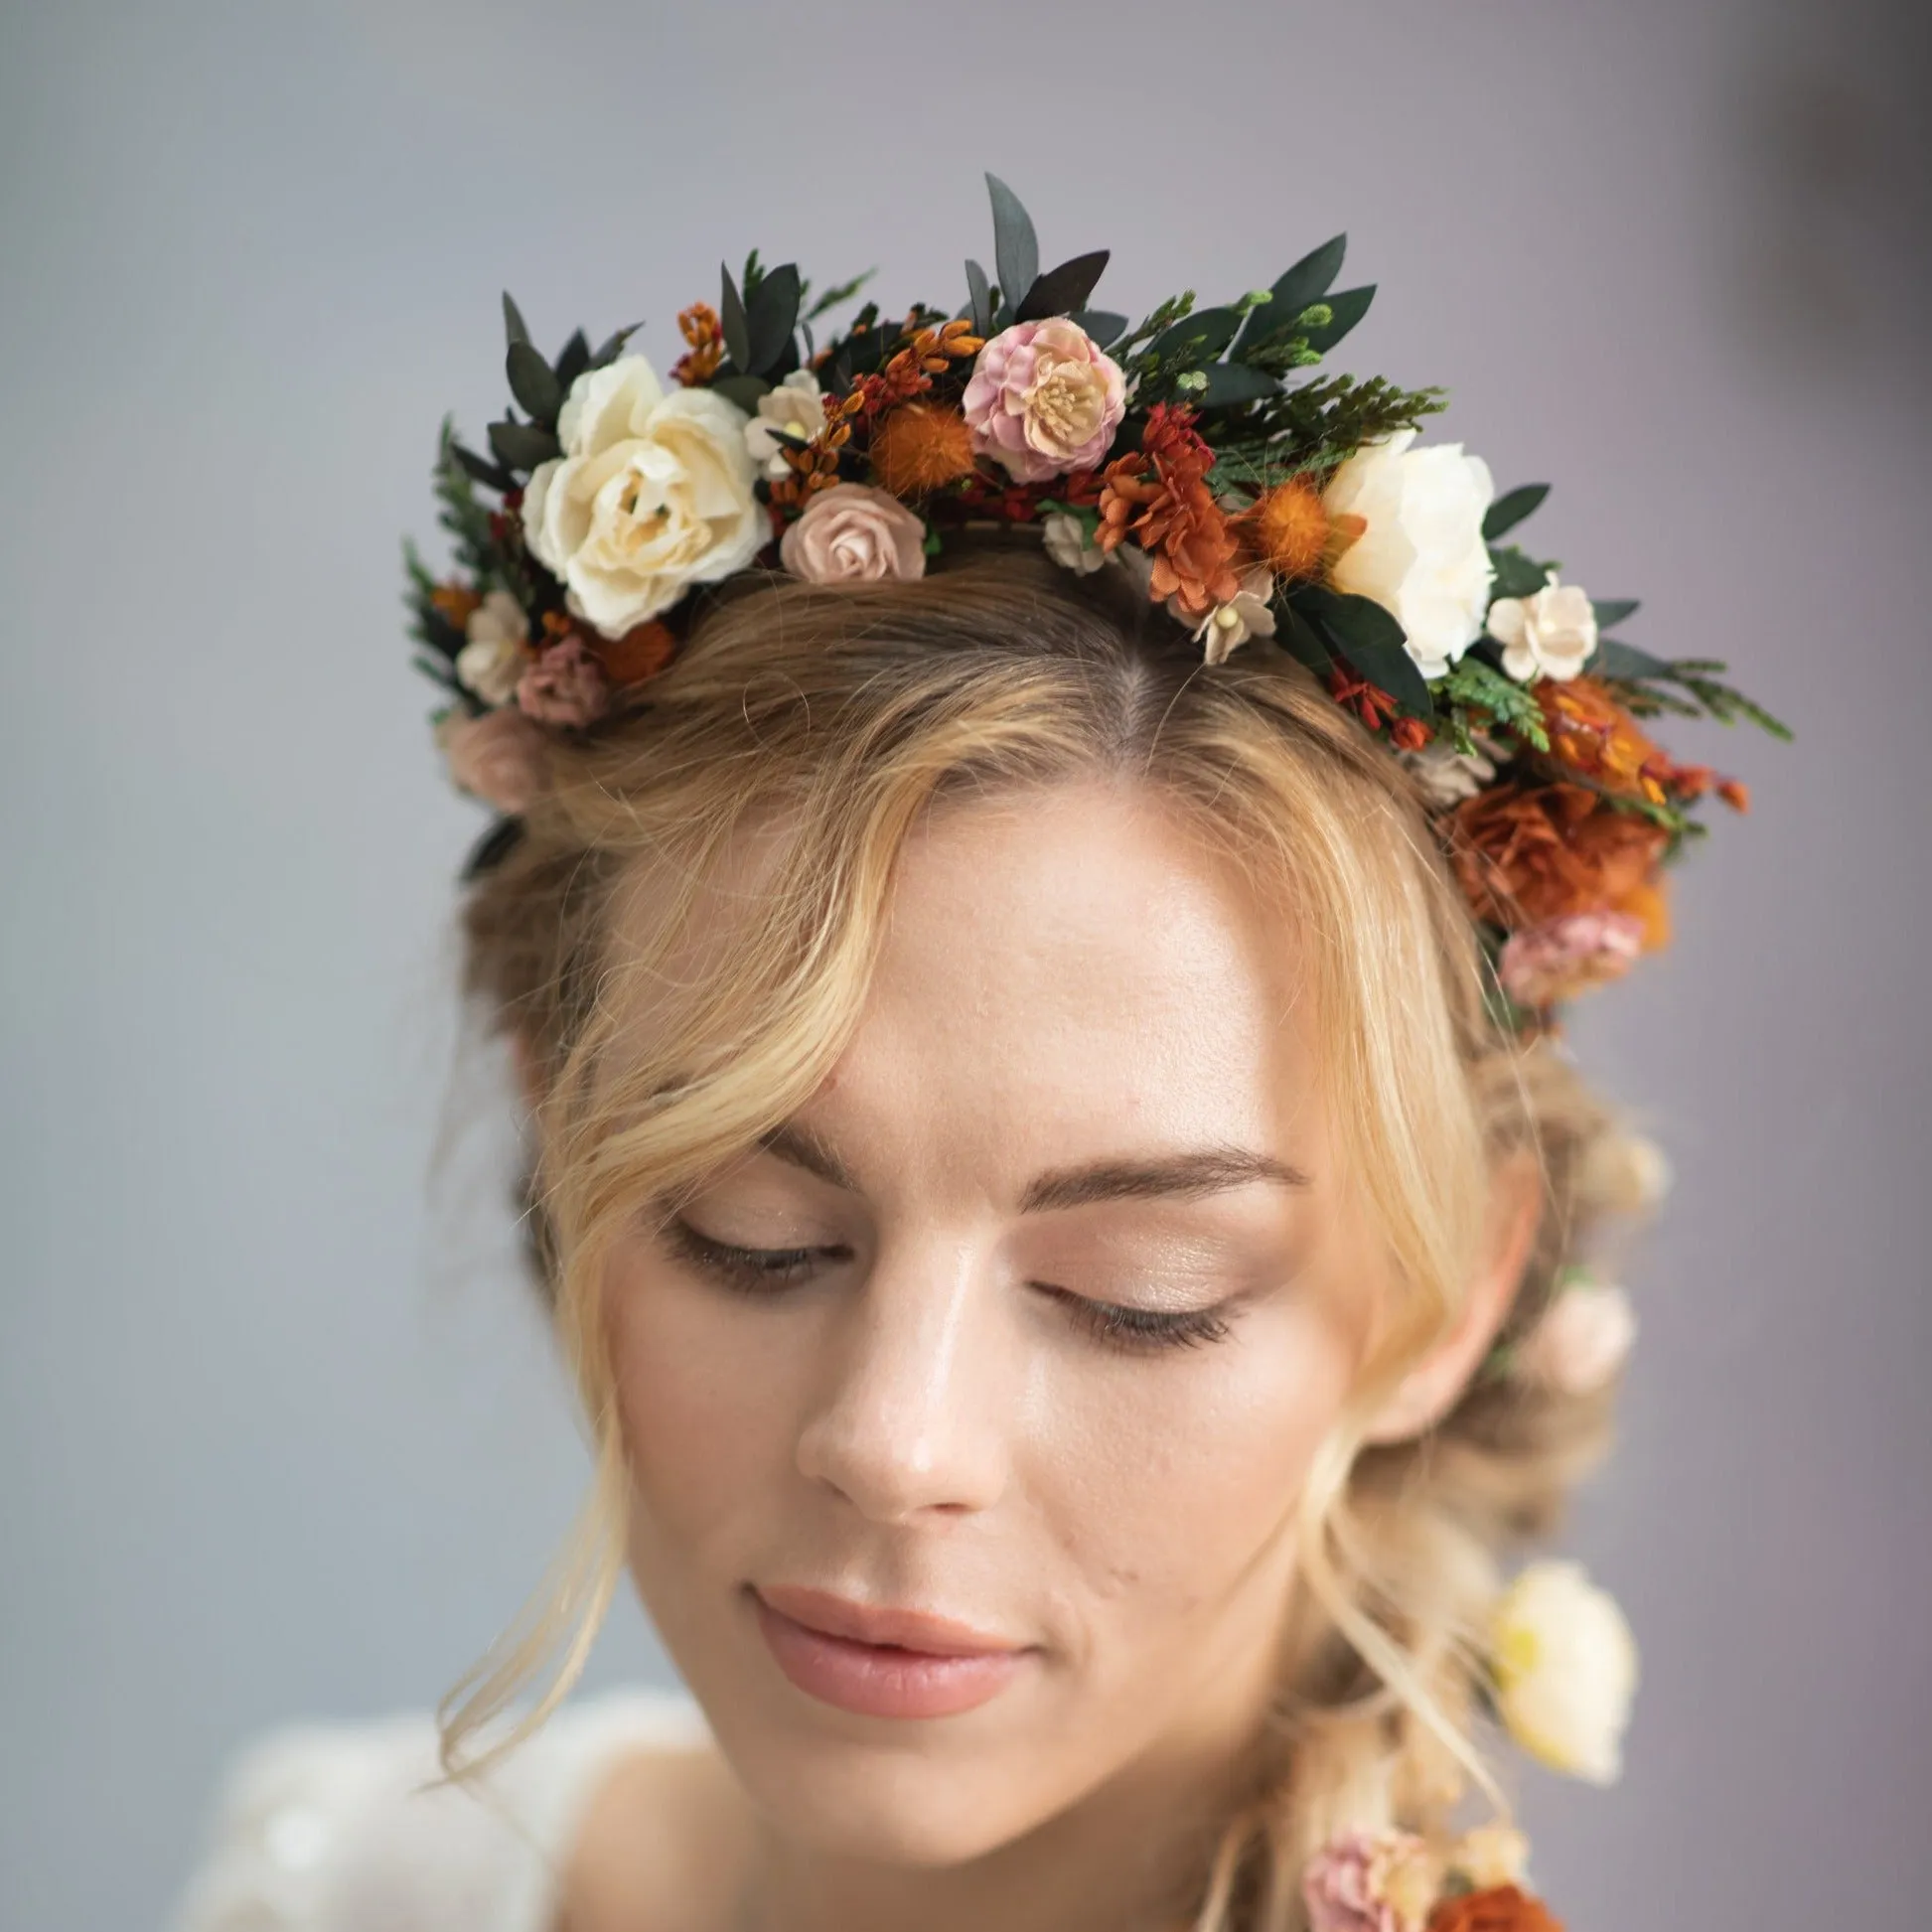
(1247, 616)
(1420, 553)
(652, 494)
(492, 661)
(1566, 1667)
(1068, 545)
(1549, 635)
(796, 407)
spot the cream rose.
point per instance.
(493, 660)
(1549, 635)
(796, 407)
(1565, 1667)
(1421, 553)
(852, 533)
(652, 494)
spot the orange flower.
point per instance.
(641, 653)
(1525, 853)
(457, 602)
(1290, 529)
(1193, 543)
(1500, 1908)
(1590, 730)
(700, 327)
(921, 447)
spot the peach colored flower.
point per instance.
(565, 685)
(1044, 400)
(1561, 958)
(1369, 1882)
(498, 757)
(1582, 1339)
(852, 533)
(1529, 852)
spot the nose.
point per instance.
(912, 1418)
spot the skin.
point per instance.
(928, 1412)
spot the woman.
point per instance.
(1053, 1165)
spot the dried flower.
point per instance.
(1245, 614)
(1044, 398)
(639, 653)
(853, 533)
(1549, 635)
(566, 686)
(1583, 1338)
(1290, 529)
(1491, 1855)
(921, 447)
(493, 660)
(1528, 852)
(1447, 776)
(1369, 1881)
(1592, 731)
(1502, 1908)
(1069, 543)
(1159, 494)
(795, 408)
(700, 327)
(498, 757)
(1561, 958)
(1566, 1667)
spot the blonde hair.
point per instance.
(827, 721)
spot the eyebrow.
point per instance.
(1190, 1175)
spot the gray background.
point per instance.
(279, 1435)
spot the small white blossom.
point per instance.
(492, 661)
(1549, 635)
(1449, 776)
(1069, 544)
(1246, 615)
(796, 407)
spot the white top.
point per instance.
(326, 1828)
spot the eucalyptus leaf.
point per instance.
(533, 384)
(1301, 639)
(515, 329)
(731, 317)
(1102, 325)
(1016, 249)
(1611, 658)
(744, 390)
(1231, 384)
(770, 314)
(1511, 508)
(573, 359)
(1350, 305)
(1373, 642)
(982, 296)
(522, 445)
(1610, 612)
(1307, 281)
(1517, 575)
(481, 471)
(492, 849)
(1200, 337)
(613, 346)
(1062, 290)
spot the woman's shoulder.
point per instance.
(324, 1828)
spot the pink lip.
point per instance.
(881, 1662)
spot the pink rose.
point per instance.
(498, 758)
(852, 533)
(1347, 1886)
(565, 685)
(1583, 1340)
(1560, 958)
(1044, 400)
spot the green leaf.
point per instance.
(533, 384)
(573, 359)
(1349, 307)
(1231, 384)
(1307, 281)
(522, 445)
(1517, 575)
(744, 390)
(1371, 640)
(1300, 640)
(484, 473)
(770, 314)
(982, 297)
(1611, 658)
(833, 297)
(1062, 290)
(514, 324)
(1016, 249)
(1510, 705)
(1610, 612)
(1102, 325)
(1195, 340)
(1509, 508)
(731, 316)
(613, 346)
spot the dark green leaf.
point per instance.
(1230, 383)
(833, 297)
(1517, 575)
(573, 359)
(1372, 640)
(514, 325)
(1509, 508)
(484, 473)
(731, 314)
(1349, 307)
(1102, 325)
(1195, 340)
(533, 384)
(613, 347)
(522, 445)
(1301, 640)
(1611, 611)
(982, 299)
(1016, 249)
(492, 848)
(1062, 290)
(744, 390)
(1307, 281)
(1613, 660)
(770, 314)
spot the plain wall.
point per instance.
(279, 1433)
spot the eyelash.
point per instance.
(760, 1270)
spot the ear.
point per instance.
(1430, 1389)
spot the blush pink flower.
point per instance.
(565, 685)
(1369, 1882)
(1044, 400)
(498, 757)
(1583, 1340)
(852, 533)
(1560, 958)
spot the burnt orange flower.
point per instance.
(1592, 731)
(457, 602)
(1500, 1908)
(1529, 852)
(700, 327)
(641, 653)
(1159, 494)
(921, 447)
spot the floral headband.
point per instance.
(1204, 451)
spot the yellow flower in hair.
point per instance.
(1566, 1670)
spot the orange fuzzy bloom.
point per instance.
(921, 447)
(1290, 529)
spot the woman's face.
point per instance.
(968, 1417)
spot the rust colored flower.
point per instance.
(1159, 495)
(457, 602)
(927, 353)
(700, 327)
(1408, 734)
(639, 653)
(921, 447)
(1590, 730)
(816, 467)
(1525, 854)
(1502, 1908)
(1290, 529)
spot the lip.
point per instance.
(880, 1661)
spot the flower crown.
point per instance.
(1204, 451)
